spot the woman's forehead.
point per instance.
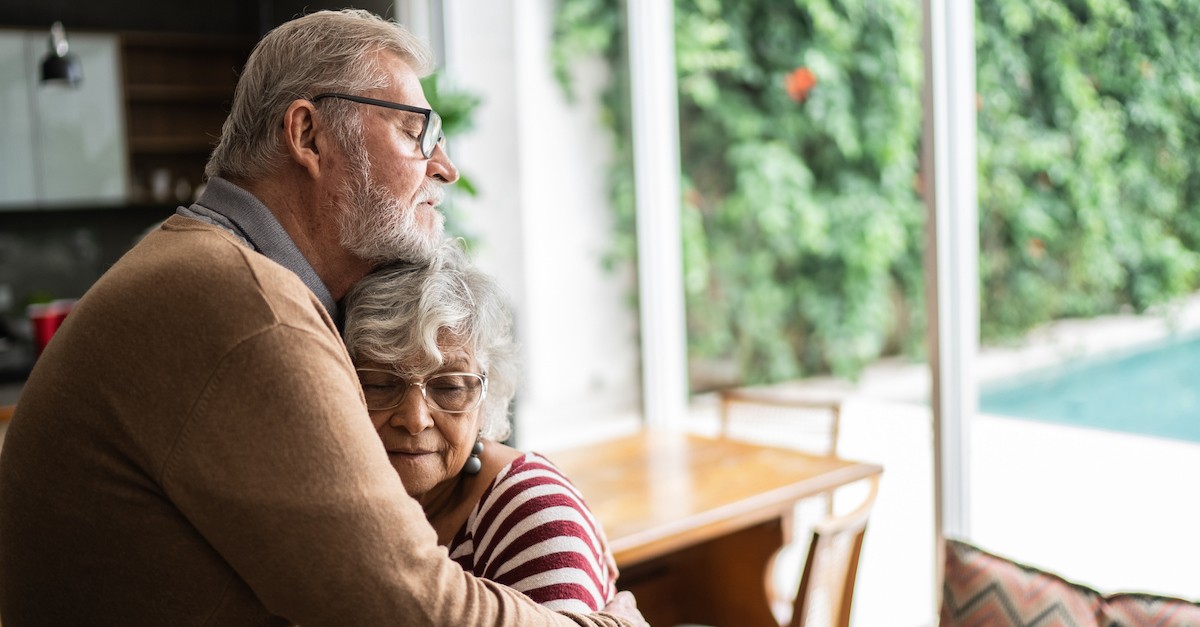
(456, 357)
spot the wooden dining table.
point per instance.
(694, 522)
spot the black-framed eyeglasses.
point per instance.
(447, 392)
(431, 134)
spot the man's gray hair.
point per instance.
(397, 314)
(326, 51)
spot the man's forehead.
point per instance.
(405, 85)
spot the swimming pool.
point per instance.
(1153, 391)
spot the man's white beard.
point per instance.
(377, 227)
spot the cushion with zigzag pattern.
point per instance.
(985, 590)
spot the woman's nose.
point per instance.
(412, 414)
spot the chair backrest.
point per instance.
(781, 416)
(830, 570)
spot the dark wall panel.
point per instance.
(210, 17)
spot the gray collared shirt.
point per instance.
(236, 210)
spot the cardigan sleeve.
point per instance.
(279, 468)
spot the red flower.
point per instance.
(799, 82)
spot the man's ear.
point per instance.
(300, 131)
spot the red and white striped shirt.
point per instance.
(531, 531)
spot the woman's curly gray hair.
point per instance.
(398, 314)
(326, 51)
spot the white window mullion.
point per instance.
(655, 113)
(950, 171)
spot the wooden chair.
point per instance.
(785, 416)
(781, 415)
(826, 589)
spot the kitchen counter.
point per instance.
(15, 364)
(9, 393)
(8, 397)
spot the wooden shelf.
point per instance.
(191, 43)
(171, 145)
(178, 93)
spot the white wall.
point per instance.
(542, 216)
(62, 145)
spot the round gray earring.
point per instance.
(474, 464)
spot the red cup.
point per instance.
(45, 318)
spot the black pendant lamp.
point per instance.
(59, 66)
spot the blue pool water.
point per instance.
(1155, 392)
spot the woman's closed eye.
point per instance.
(378, 379)
(447, 383)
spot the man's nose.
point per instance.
(440, 166)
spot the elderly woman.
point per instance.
(434, 352)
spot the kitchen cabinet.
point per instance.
(61, 145)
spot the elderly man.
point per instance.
(193, 448)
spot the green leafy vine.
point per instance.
(800, 124)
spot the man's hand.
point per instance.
(625, 606)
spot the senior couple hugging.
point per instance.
(197, 445)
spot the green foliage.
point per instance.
(1088, 128)
(802, 225)
(457, 109)
(801, 222)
